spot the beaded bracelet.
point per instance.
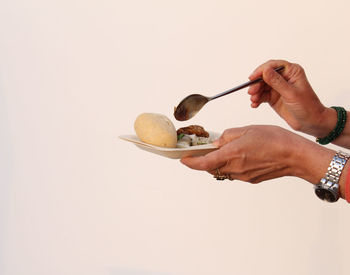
(341, 120)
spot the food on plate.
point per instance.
(192, 135)
(193, 130)
(156, 129)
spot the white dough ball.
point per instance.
(156, 129)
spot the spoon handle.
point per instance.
(278, 69)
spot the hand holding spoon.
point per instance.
(191, 104)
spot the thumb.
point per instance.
(275, 81)
(229, 135)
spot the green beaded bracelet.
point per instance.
(341, 120)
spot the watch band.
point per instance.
(328, 187)
(336, 166)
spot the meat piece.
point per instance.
(193, 130)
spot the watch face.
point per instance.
(325, 195)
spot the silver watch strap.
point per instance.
(336, 167)
(328, 187)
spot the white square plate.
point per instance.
(173, 153)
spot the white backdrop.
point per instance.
(74, 199)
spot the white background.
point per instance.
(74, 199)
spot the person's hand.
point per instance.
(259, 153)
(291, 96)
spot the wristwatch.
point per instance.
(328, 187)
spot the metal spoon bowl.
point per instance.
(192, 104)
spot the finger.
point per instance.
(208, 162)
(256, 88)
(276, 81)
(212, 172)
(261, 87)
(257, 99)
(217, 158)
(216, 171)
(258, 72)
(254, 105)
(229, 135)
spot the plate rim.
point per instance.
(134, 139)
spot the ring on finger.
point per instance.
(220, 176)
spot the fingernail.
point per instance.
(216, 143)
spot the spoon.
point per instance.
(191, 104)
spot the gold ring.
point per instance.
(218, 175)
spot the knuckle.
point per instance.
(240, 163)
(269, 75)
(296, 125)
(252, 130)
(226, 133)
(274, 77)
(297, 69)
(298, 66)
(226, 136)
